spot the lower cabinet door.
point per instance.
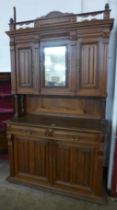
(71, 167)
(78, 168)
(31, 159)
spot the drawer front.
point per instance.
(81, 137)
(57, 134)
(26, 130)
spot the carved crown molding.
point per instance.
(55, 14)
(55, 17)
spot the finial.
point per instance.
(14, 14)
(11, 21)
(106, 6)
(107, 11)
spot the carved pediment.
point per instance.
(55, 17)
(55, 14)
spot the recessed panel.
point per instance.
(88, 73)
(25, 67)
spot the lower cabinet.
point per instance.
(72, 166)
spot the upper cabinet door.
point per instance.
(57, 67)
(27, 68)
(91, 67)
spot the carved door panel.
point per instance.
(78, 168)
(91, 70)
(27, 64)
(31, 159)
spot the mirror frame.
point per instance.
(70, 76)
(66, 68)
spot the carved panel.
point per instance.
(88, 66)
(31, 157)
(27, 60)
(90, 75)
(74, 167)
(25, 67)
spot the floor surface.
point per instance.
(17, 197)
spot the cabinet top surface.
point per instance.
(59, 122)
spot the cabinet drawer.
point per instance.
(23, 130)
(57, 134)
(84, 137)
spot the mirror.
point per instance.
(55, 66)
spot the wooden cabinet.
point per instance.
(62, 160)
(59, 74)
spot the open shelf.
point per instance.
(6, 108)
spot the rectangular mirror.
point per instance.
(55, 66)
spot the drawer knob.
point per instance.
(49, 132)
(76, 138)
